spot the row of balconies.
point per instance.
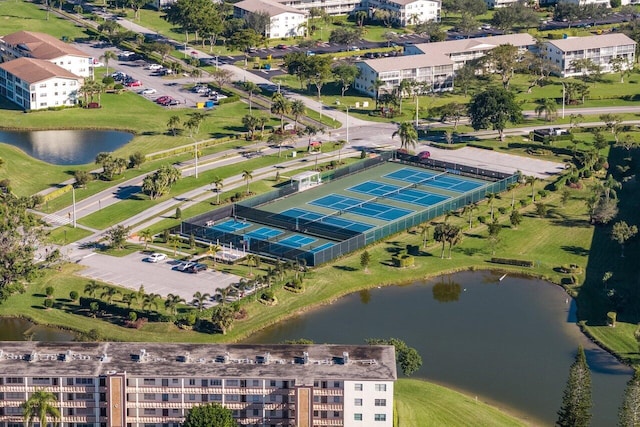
(63, 419)
(52, 388)
(189, 404)
(61, 404)
(327, 422)
(243, 421)
(209, 390)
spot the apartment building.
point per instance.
(29, 44)
(463, 51)
(433, 72)
(36, 84)
(155, 384)
(285, 21)
(600, 49)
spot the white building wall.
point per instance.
(287, 25)
(80, 66)
(601, 56)
(607, 3)
(53, 92)
(360, 398)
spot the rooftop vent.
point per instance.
(305, 357)
(32, 357)
(264, 359)
(104, 358)
(345, 357)
(184, 358)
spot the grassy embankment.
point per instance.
(420, 403)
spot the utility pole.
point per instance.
(73, 193)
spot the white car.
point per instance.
(154, 67)
(156, 257)
(148, 91)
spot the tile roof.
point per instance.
(36, 70)
(41, 46)
(476, 44)
(272, 8)
(395, 63)
(591, 42)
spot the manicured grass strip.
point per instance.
(420, 403)
(22, 15)
(67, 234)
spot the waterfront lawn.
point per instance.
(21, 15)
(424, 404)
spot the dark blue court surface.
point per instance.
(321, 247)
(434, 179)
(360, 207)
(393, 192)
(297, 241)
(264, 233)
(230, 226)
(306, 216)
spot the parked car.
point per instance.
(154, 67)
(133, 83)
(283, 46)
(183, 266)
(424, 155)
(200, 89)
(156, 257)
(148, 91)
(162, 98)
(217, 97)
(196, 268)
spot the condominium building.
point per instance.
(407, 12)
(156, 384)
(29, 44)
(432, 72)
(566, 54)
(35, 84)
(285, 21)
(463, 51)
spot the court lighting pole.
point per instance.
(563, 98)
(347, 125)
(73, 193)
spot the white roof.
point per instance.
(304, 175)
(476, 44)
(271, 8)
(395, 63)
(591, 42)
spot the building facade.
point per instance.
(430, 72)
(463, 51)
(285, 21)
(35, 84)
(565, 54)
(29, 44)
(155, 385)
(407, 12)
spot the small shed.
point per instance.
(305, 180)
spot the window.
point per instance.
(149, 381)
(336, 399)
(336, 384)
(380, 417)
(215, 397)
(357, 402)
(358, 387)
(192, 381)
(255, 383)
(381, 402)
(13, 380)
(336, 414)
(381, 387)
(84, 381)
(272, 383)
(192, 397)
(149, 411)
(232, 383)
(357, 417)
(149, 396)
(215, 382)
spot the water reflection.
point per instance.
(65, 147)
(447, 290)
(16, 329)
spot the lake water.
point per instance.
(508, 342)
(15, 329)
(66, 147)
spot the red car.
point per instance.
(424, 155)
(135, 83)
(162, 99)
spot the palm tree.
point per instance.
(107, 56)
(454, 236)
(280, 106)
(261, 121)
(424, 232)
(408, 135)
(150, 300)
(40, 406)
(146, 236)
(129, 298)
(213, 252)
(403, 87)
(297, 109)
(440, 235)
(468, 209)
(217, 183)
(247, 176)
(199, 299)
(172, 301)
(222, 294)
(376, 88)
(511, 187)
(173, 123)
(491, 197)
(91, 288)
(109, 292)
(609, 187)
(546, 106)
(174, 240)
(250, 87)
(531, 180)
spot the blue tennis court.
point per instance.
(346, 224)
(393, 192)
(360, 207)
(297, 241)
(230, 226)
(264, 233)
(434, 179)
(322, 247)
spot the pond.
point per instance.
(65, 147)
(509, 342)
(16, 329)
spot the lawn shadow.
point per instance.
(576, 250)
(38, 307)
(344, 268)
(39, 295)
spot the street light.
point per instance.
(347, 124)
(73, 192)
(563, 98)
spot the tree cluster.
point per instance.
(201, 17)
(111, 166)
(159, 182)
(407, 357)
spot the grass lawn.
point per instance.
(66, 234)
(421, 403)
(22, 15)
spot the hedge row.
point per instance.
(508, 261)
(482, 147)
(455, 146)
(57, 193)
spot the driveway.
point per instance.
(132, 271)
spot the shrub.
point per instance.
(587, 173)
(48, 303)
(133, 316)
(403, 260)
(482, 219)
(611, 318)
(525, 202)
(49, 291)
(543, 193)
(363, 154)
(502, 210)
(73, 295)
(268, 295)
(178, 213)
(508, 261)
(574, 179)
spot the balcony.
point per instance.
(327, 422)
(328, 392)
(328, 407)
(155, 404)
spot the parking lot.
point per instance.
(132, 271)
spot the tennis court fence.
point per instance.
(453, 168)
